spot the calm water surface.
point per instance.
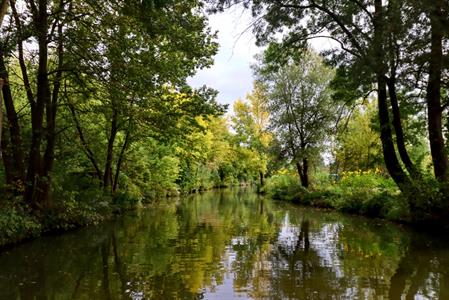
(230, 245)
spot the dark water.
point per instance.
(226, 245)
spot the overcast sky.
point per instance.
(231, 73)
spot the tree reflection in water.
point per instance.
(227, 244)
(423, 269)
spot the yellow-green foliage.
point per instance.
(152, 171)
(213, 156)
(366, 192)
(368, 180)
(358, 143)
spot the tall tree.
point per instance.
(438, 15)
(3, 10)
(300, 106)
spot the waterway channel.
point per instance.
(230, 244)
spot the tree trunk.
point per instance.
(8, 162)
(51, 109)
(434, 109)
(303, 172)
(299, 169)
(36, 188)
(107, 177)
(397, 124)
(391, 161)
(120, 160)
(2, 82)
(394, 21)
(261, 179)
(89, 153)
(13, 127)
(3, 9)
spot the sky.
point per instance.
(231, 73)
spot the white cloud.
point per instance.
(231, 73)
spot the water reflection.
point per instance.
(229, 244)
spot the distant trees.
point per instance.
(250, 122)
(357, 143)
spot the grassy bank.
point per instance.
(363, 193)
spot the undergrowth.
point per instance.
(363, 193)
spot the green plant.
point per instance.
(284, 187)
(16, 225)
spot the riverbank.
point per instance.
(367, 194)
(19, 224)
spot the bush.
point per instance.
(365, 193)
(16, 225)
(72, 209)
(372, 194)
(367, 180)
(284, 187)
(126, 201)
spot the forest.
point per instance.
(97, 116)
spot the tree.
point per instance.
(438, 15)
(3, 9)
(250, 122)
(300, 106)
(357, 143)
(142, 82)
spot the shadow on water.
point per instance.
(228, 244)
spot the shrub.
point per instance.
(71, 209)
(367, 180)
(284, 187)
(16, 225)
(365, 193)
(126, 201)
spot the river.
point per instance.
(229, 244)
